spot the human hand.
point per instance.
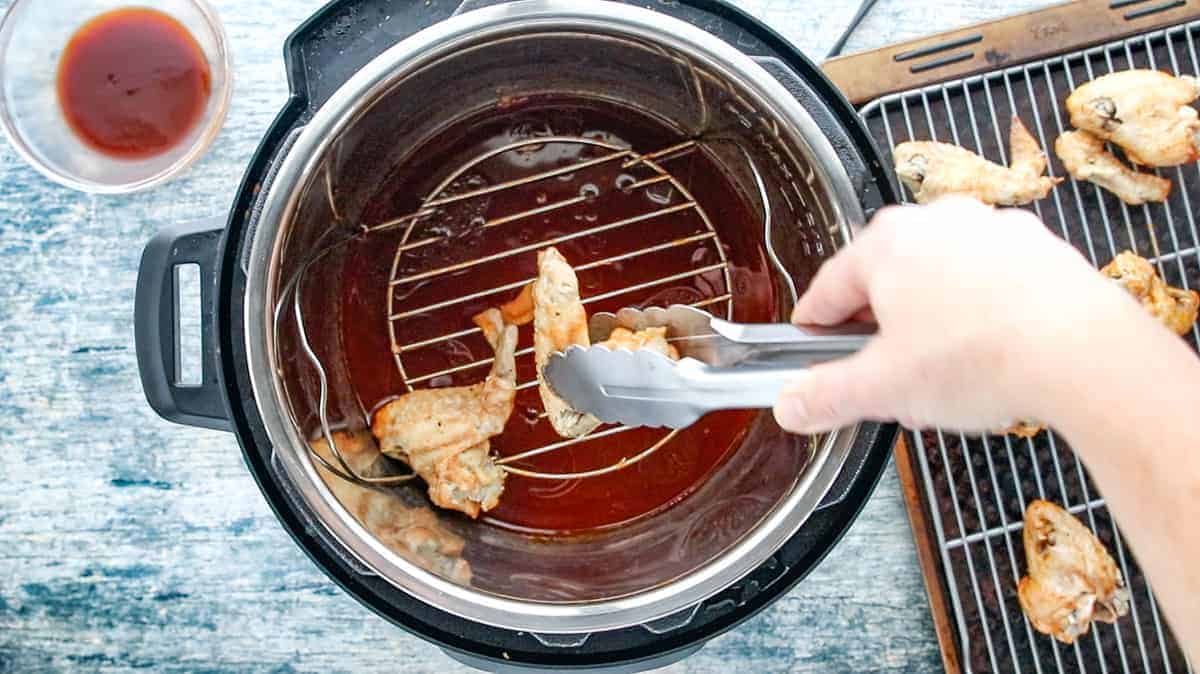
(983, 314)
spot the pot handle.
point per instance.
(156, 325)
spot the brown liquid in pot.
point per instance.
(540, 506)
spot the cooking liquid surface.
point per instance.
(540, 506)
(133, 82)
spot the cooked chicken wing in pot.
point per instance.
(1085, 158)
(1146, 112)
(1175, 307)
(443, 433)
(1072, 579)
(559, 320)
(931, 169)
(653, 339)
(411, 531)
(519, 310)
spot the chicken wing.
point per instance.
(1175, 307)
(1085, 158)
(443, 433)
(1145, 112)
(1072, 579)
(653, 339)
(413, 532)
(559, 321)
(932, 169)
(1025, 429)
(519, 310)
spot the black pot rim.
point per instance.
(442, 629)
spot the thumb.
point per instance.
(841, 392)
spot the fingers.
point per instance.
(864, 315)
(837, 292)
(841, 392)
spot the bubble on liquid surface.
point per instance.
(673, 295)
(460, 218)
(441, 381)
(525, 130)
(625, 183)
(455, 352)
(660, 193)
(589, 191)
(530, 415)
(601, 136)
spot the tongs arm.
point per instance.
(723, 365)
(738, 387)
(793, 345)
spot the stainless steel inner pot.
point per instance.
(775, 153)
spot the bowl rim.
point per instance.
(197, 149)
(281, 200)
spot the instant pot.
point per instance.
(370, 81)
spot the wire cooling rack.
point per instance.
(972, 492)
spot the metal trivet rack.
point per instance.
(677, 200)
(672, 199)
(967, 495)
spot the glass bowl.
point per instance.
(33, 35)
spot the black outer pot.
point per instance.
(320, 56)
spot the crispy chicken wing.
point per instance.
(1175, 307)
(654, 339)
(1085, 158)
(1145, 112)
(559, 321)
(1072, 579)
(932, 169)
(519, 310)
(443, 433)
(413, 532)
(1025, 429)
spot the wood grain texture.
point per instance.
(128, 543)
(981, 48)
(931, 569)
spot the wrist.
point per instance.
(1079, 348)
(1115, 359)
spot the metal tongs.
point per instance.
(722, 365)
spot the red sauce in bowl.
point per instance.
(133, 83)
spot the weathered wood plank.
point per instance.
(129, 543)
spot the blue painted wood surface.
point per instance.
(129, 543)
